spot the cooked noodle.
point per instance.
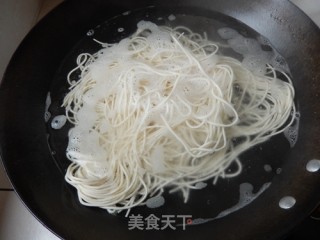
(162, 109)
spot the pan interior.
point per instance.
(261, 163)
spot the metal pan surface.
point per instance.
(34, 154)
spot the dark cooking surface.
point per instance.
(38, 180)
(308, 229)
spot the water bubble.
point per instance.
(48, 101)
(200, 185)
(155, 202)
(313, 165)
(120, 29)
(287, 202)
(58, 121)
(172, 17)
(47, 116)
(267, 168)
(126, 13)
(90, 32)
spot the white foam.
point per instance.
(228, 33)
(238, 45)
(255, 64)
(254, 58)
(84, 145)
(159, 39)
(292, 132)
(246, 197)
(144, 25)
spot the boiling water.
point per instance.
(235, 40)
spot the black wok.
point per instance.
(36, 168)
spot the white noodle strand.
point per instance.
(162, 109)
